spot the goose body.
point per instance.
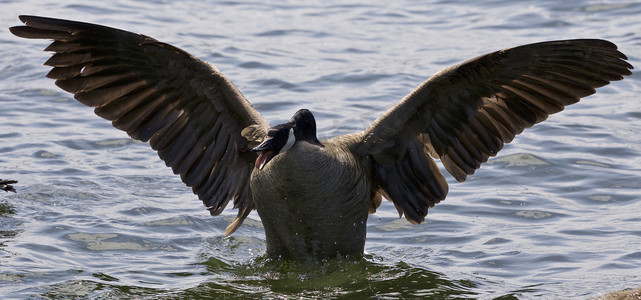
(313, 196)
(312, 223)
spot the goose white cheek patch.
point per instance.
(266, 155)
(291, 139)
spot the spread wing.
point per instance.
(465, 113)
(188, 110)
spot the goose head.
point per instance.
(301, 127)
(279, 138)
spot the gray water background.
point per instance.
(557, 214)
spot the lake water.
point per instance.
(557, 214)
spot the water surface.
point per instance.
(97, 215)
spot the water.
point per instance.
(98, 215)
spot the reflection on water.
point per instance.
(360, 278)
(7, 228)
(98, 215)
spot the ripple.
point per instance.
(84, 144)
(279, 84)
(257, 65)
(497, 241)
(170, 222)
(45, 154)
(601, 198)
(112, 143)
(109, 242)
(518, 160)
(291, 32)
(351, 78)
(533, 214)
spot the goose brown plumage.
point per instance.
(313, 199)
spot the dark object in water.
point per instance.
(6, 185)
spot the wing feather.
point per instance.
(188, 111)
(465, 114)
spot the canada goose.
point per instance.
(313, 199)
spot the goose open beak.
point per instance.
(266, 153)
(263, 158)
